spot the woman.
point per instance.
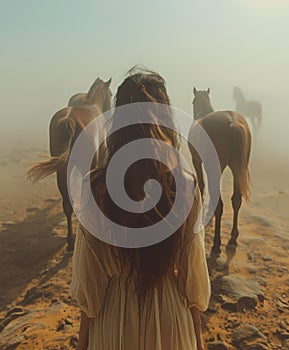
(141, 298)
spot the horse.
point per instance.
(65, 127)
(231, 137)
(249, 109)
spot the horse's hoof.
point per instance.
(232, 244)
(216, 251)
(70, 246)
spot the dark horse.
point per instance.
(230, 135)
(249, 109)
(65, 126)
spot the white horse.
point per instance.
(249, 109)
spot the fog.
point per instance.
(50, 52)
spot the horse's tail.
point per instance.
(241, 147)
(42, 169)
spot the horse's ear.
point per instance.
(195, 91)
(92, 89)
(107, 83)
(208, 91)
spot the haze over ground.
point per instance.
(50, 50)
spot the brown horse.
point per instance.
(230, 135)
(249, 109)
(65, 126)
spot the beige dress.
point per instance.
(118, 321)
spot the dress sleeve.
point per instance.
(193, 276)
(89, 279)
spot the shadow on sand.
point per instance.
(26, 246)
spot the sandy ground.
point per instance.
(35, 268)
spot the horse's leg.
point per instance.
(67, 207)
(214, 181)
(236, 204)
(218, 217)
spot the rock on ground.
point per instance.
(237, 293)
(249, 338)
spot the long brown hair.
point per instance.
(148, 265)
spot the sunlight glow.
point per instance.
(269, 3)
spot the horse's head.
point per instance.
(201, 103)
(99, 94)
(237, 94)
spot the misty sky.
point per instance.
(53, 49)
